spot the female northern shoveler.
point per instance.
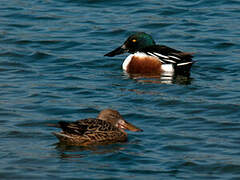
(107, 128)
(148, 58)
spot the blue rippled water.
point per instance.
(52, 68)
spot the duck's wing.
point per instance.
(169, 55)
(86, 126)
(180, 61)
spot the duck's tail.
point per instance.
(62, 137)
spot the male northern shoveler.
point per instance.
(148, 58)
(107, 128)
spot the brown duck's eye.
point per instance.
(134, 40)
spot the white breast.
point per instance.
(127, 61)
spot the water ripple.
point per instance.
(52, 68)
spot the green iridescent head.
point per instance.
(133, 44)
(138, 41)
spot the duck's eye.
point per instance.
(134, 40)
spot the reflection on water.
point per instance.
(164, 78)
(66, 151)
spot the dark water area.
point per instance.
(52, 68)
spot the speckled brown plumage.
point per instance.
(94, 131)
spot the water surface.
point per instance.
(52, 68)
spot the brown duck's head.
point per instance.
(116, 119)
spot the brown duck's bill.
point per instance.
(119, 50)
(129, 126)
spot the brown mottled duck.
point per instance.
(107, 128)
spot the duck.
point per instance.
(146, 57)
(107, 128)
